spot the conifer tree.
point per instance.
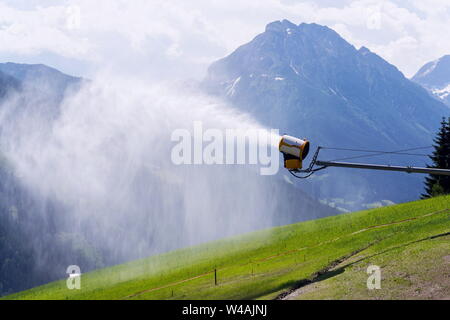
(438, 185)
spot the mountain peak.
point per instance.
(23, 71)
(280, 26)
(434, 74)
(286, 26)
(308, 27)
(364, 50)
(309, 81)
(308, 52)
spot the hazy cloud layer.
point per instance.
(163, 39)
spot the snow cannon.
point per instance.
(294, 151)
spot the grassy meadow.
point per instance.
(267, 263)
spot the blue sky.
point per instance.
(166, 39)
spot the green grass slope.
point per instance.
(333, 252)
(415, 270)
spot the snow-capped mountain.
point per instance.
(435, 76)
(308, 81)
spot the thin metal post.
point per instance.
(215, 277)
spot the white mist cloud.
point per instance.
(164, 39)
(104, 156)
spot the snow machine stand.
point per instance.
(295, 150)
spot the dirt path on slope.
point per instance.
(317, 274)
(422, 289)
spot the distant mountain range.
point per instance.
(7, 84)
(309, 82)
(435, 76)
(40, 236)
(28, 220)
(303, 79)
(43, 82)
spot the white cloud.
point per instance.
(180, 38)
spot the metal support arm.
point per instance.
(434, 171)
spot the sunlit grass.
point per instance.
(256, 265)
